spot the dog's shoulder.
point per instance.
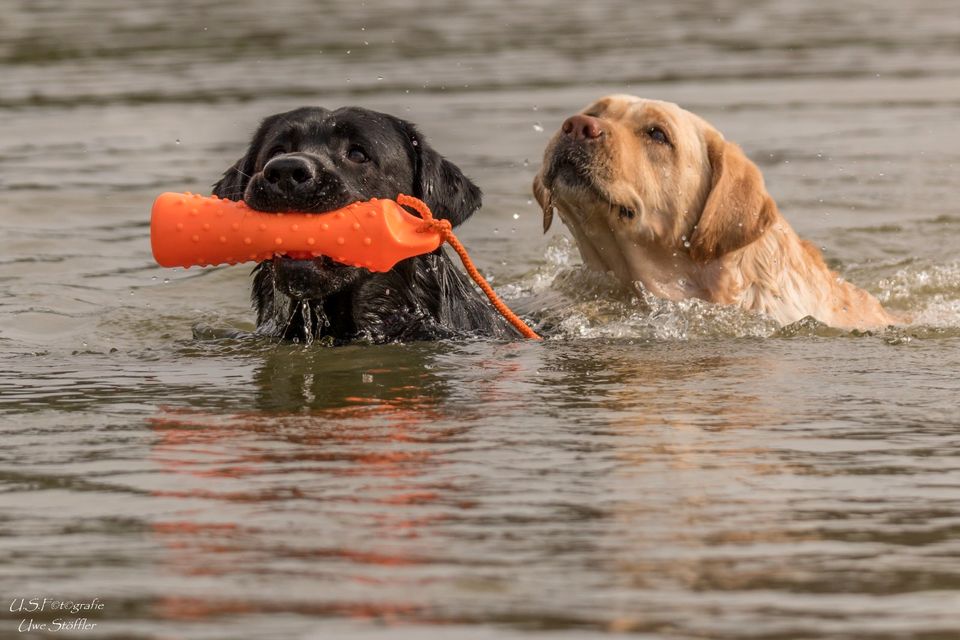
(424, 298)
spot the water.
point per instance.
(656, 469)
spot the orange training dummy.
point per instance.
(192, 230)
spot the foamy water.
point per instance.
(570, 301)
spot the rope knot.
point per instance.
(442, 227)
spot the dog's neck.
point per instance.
(610, 242)
(778, 274)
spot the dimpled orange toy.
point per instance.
(191, 230)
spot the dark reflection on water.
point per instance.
(323, 379)
(662, 470)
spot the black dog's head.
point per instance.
(314, 160)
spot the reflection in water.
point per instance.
(370, 505)
(325, 378)
(340, 454)
(535, 486)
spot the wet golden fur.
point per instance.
(689, 217)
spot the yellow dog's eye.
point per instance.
(658, 135)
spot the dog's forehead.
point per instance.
(623, 106)
(316, 123)
(358, 120)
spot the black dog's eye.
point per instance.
(275, 151)
(658, 135)
(358, 155)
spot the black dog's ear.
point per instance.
(234, 181)
(440, 183)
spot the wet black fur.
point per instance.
(421, 298)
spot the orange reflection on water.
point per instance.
(235, 475)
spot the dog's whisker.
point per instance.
(227, 194)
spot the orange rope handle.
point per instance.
(445, 230)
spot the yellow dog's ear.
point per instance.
(738, 208)
(542, 194)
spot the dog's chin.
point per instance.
(313, 279)
(575, 184)
(578, 188)
(572, 169)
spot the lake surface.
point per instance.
(653, 469)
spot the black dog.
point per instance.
(315, 160)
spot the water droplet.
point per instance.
(538, 127)
(366, 378)
(526, 163)
(516, 216)
(686, 244)
(379, 77)
(178, 140)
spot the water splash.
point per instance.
(930, 292)
(569, 301)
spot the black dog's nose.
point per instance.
(288, 171)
